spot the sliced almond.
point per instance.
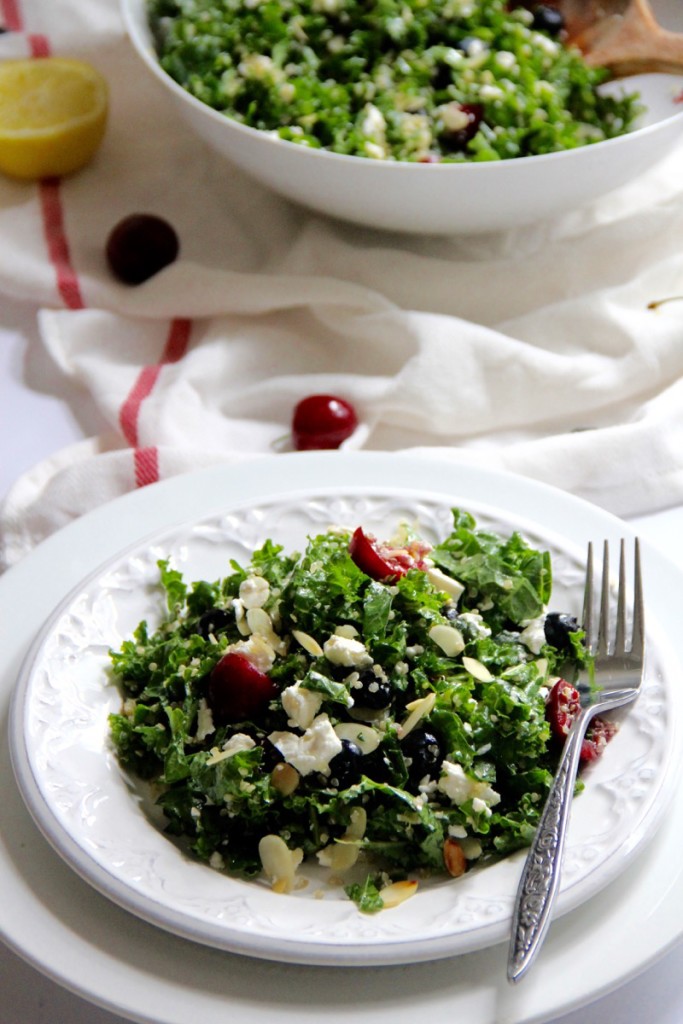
(454, 858)
(343, 853)
(364, 736)
(477, 670)
(397, 892)
(241, 618)
(347, 630)
(260, 623)
(418, 709)
(448, 638)
(339, 856)
(279, 862)
(357, 824)
(309, 643)
(285, 778)
(445, 583)
(471, 847)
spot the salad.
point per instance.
(437, 81)
(387, 709)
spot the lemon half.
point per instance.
(53, 115)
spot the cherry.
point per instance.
(237, 689)
(379, 560)
(140, 246)
(598, 736)
(366, 552)
(562, 707)
(458, 138)
(322, 421)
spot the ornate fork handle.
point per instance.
(541, 875)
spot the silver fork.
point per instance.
(618, 673)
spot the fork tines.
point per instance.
(597, 638)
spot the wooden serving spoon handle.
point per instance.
(627, 42)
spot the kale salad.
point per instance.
(388, 709)
(426, 81)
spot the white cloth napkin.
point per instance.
(532, 350)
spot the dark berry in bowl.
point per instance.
(371, 692)
(557, 628)
(345, 767)
(548, 19)
(456, 138)
(213, 622)
(423, 754)
(140, 246)
(271, 755)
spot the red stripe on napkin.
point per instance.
(39, 45)
(146, 466)
(50, 198)
(57, 245)
(11, 17)
(147, 459)
(12, 20)
(130, 410)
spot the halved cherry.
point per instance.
(238, 690)
(600, 732)
(562, 707)
(380, 560)
(322, 421)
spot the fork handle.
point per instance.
(541, 875)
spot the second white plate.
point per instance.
(94, 817)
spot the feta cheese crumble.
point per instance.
(311, 752)
(460, 788)
(346, 651)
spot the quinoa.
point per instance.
(410, 80)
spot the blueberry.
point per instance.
(548, 19)
(379, 767)
(442, 76)
(557, 627)
(345, 767)
(423, 750)
(371, 692)
(213, 621)
(271, 755)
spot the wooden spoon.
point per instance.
(621, 35)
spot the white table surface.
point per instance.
(40, 415)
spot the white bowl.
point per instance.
(436, 198)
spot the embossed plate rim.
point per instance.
(377, 945)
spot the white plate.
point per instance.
(98, 821)
(71, 933)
